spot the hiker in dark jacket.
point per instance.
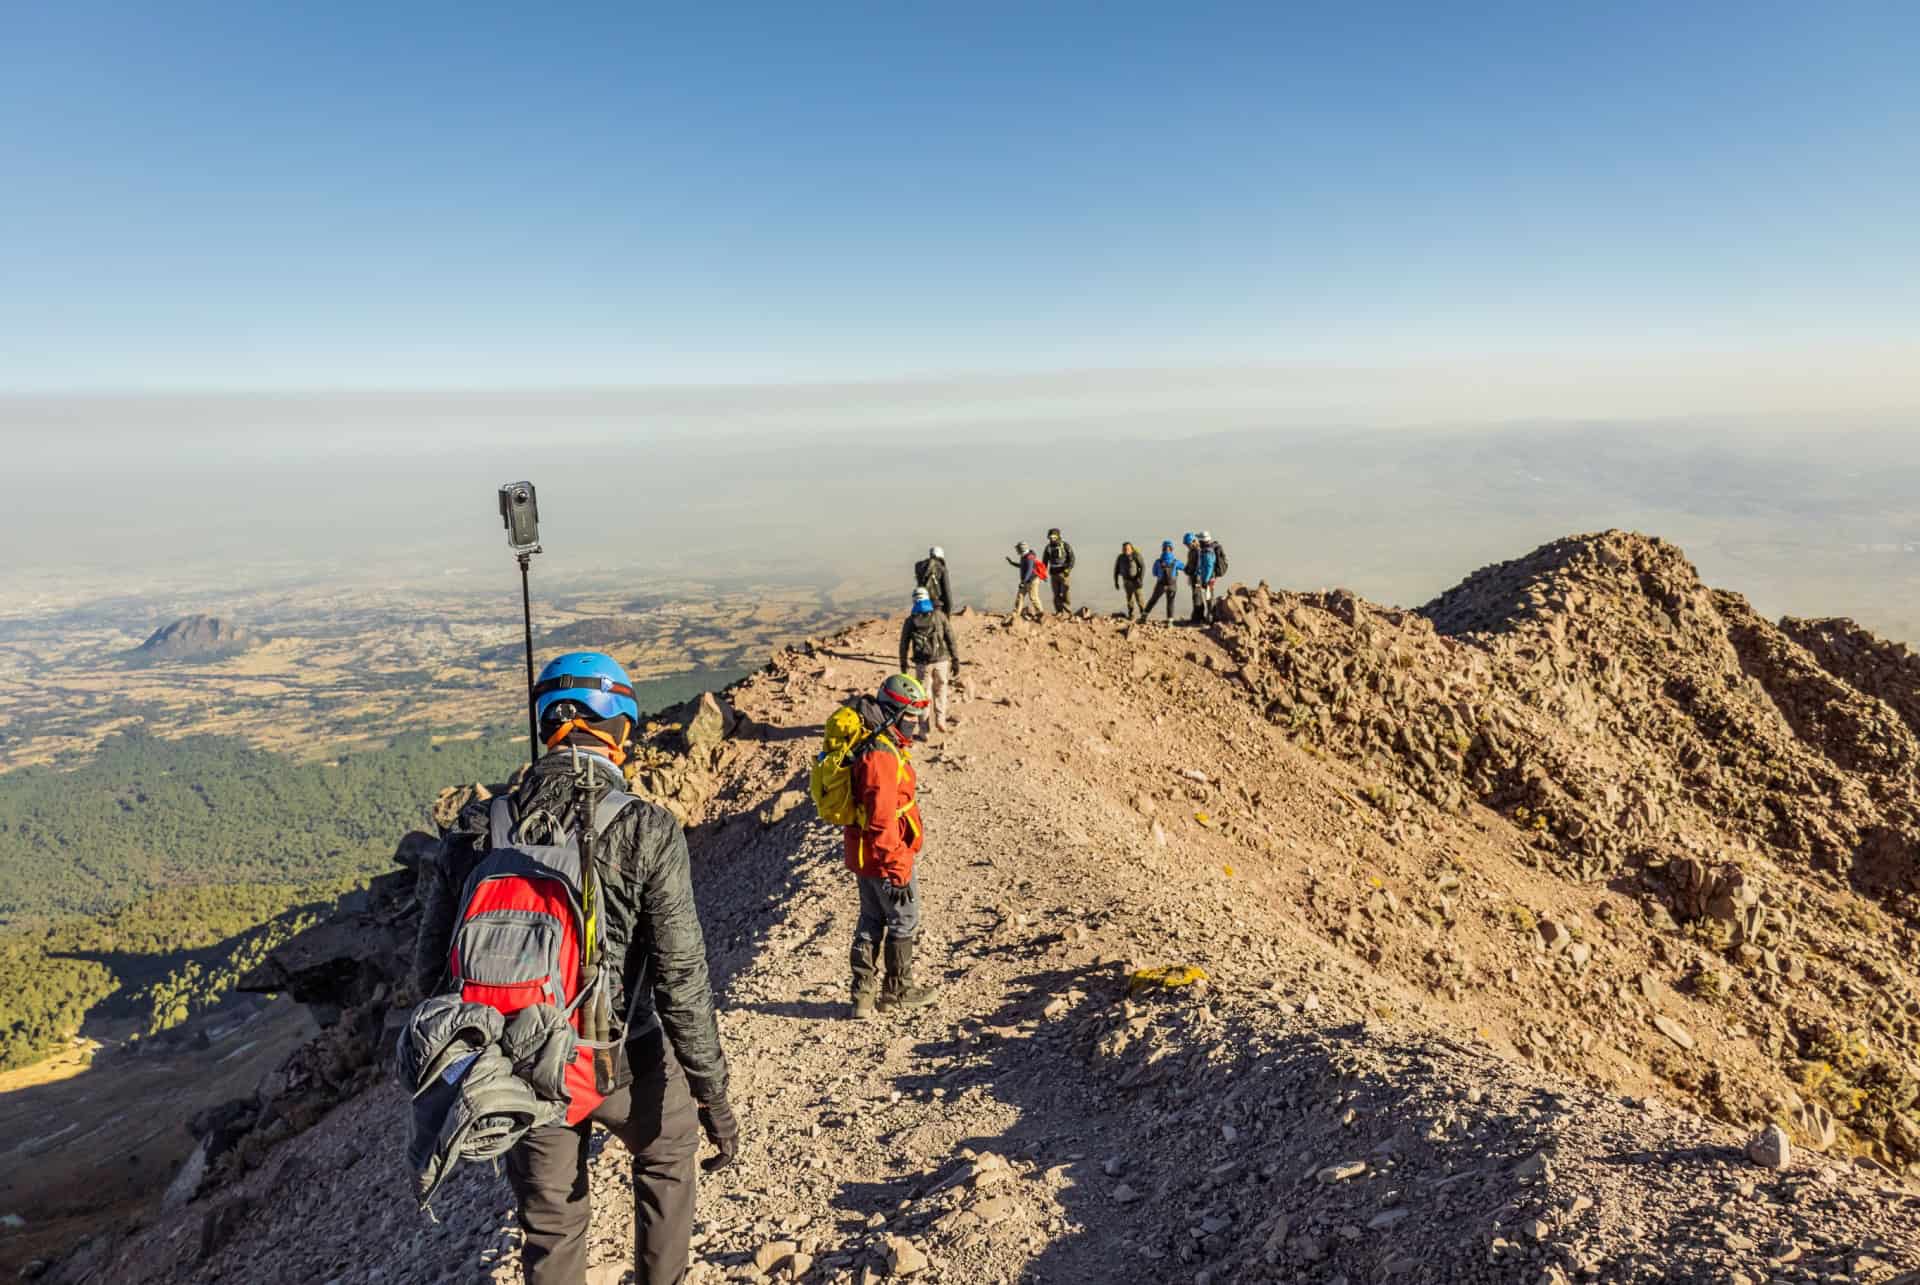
(1206, 558)
(1166, 580)
(926, 640)
(666, 1081)
(1059, 555)
(930, 573)
(1028, 594)
(1199, 577)
(1130, 571)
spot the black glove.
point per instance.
(899, 894)
(723, 1131)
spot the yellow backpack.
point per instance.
(831, 780)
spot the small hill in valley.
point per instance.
(195, 638)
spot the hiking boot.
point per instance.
(899, 990)
(866, 979)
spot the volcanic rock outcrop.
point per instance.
(1641, 728)
(196, 637)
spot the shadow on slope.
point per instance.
(1234, 1138)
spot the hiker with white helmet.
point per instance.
(1032, 572)
(1200, 576)
(1215, 555)
(930, 573)
(926, 639)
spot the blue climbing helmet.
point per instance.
(591, 680)
(1166, 546)
(1187, 538)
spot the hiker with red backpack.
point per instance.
(568, 893)
(863, 781)
(1032, 572)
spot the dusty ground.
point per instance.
(1384, 1077)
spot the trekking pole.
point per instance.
(520, 514)
(595, 1021)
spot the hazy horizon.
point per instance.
(1807, 516)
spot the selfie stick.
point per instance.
(520, 514)
(526, 615)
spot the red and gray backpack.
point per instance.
(528, 932)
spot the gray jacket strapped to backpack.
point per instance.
(651, 940)
(480, 1081)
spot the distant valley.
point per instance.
(318, 670)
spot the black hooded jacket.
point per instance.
(648, 917)
(931, 574)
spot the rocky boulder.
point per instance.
(710, 722)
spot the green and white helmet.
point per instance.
(902, 694)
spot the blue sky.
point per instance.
(421, 195)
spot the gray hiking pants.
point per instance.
(881, 917)
(656, 1118)
(1160, 588)
(1202, 600)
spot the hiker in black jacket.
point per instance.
(1059, 558)
(666, 1081)
(930, 573)
(1130, 571)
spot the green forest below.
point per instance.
(141, 884)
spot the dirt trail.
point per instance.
(1329, 1106)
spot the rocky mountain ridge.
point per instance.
(1514, 919)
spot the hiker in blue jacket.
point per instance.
(1166, 569)
(1200, 577)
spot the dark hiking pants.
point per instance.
(656, 1118)
(1134, 595)
(880, 917)
(1161, 589)
(1061, 594)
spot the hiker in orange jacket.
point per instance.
(882, 851)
